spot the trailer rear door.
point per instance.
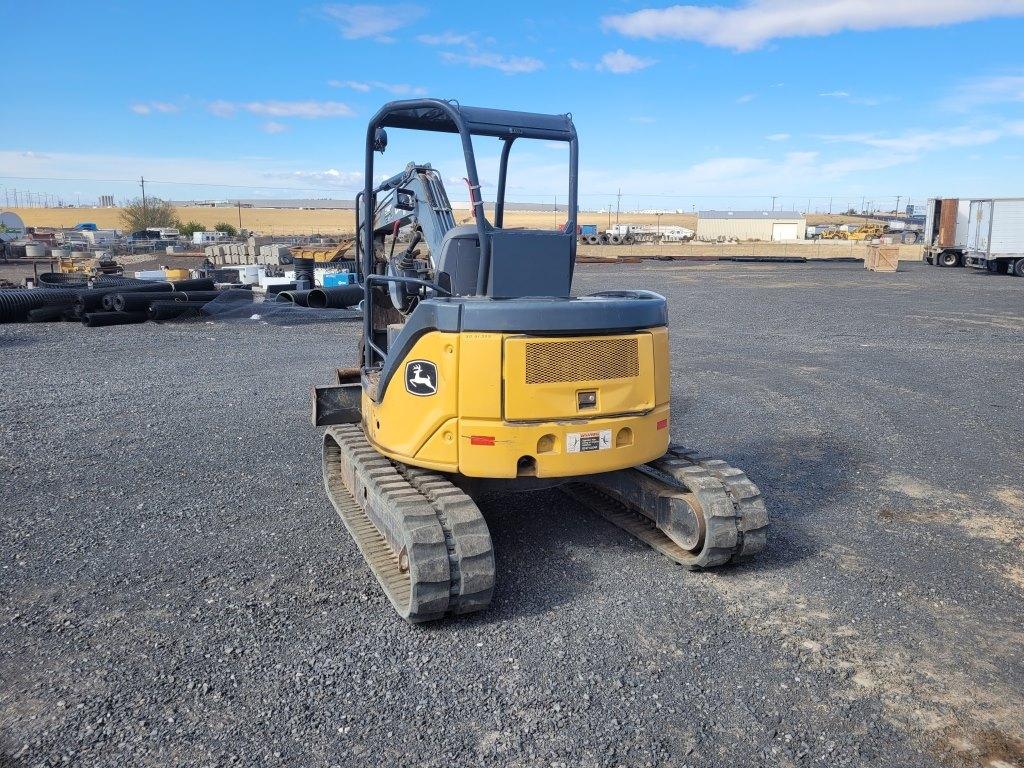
(1007, 231)
(978, 232)
(947, 222)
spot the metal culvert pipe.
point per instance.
(168, 310)
(338, 297)
(97, 319)
(298, 298)
(16, 303)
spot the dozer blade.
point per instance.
(695, 510)
(424, 539)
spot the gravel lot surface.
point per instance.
(175, 588)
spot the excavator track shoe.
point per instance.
(655, 503)
(423, 538)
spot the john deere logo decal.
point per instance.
(421, 377)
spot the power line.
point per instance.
(353, 189)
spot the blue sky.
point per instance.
(682, 106)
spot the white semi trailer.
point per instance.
(995, 235)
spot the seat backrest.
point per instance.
(530, 262)
(460, 259)
(524, 262)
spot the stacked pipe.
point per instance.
(114, 300)
(15, 304)
(168, 304)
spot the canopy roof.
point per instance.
(435, 115)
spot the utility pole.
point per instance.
(239, 216)
(898, 205)
(773, 201)
(618, 205)
(145, 216)
(830, 205)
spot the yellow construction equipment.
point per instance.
(481, 373)
(323, 254)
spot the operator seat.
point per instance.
(460, 258)
(524, 262)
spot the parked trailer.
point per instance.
(945, 231)
(995, 235)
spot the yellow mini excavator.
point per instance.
(480, 371)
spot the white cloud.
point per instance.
(745, 98)
(864, 101)
(273, 127)
(398, 89)
(510, 65)
(305, 109)
(994, 89)
(374, 21)
(332, 177)
(778, 137)
(621, 63)
(447, 38)
(580, 65)
(149, 107)
(222, 108)
(755, 22)
(914, 142)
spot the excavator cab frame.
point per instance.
(438, 115)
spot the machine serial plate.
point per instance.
(582, 442)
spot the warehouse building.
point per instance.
(751, 225)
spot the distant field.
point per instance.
(287, 221)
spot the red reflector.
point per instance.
(663, 424)
(481, 440)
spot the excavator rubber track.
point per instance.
(424, 538)
(698, 511)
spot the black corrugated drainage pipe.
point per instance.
(338, 297)
(168, 310)
(15, 303)
(298, 298)
(97, 319)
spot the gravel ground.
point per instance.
(175, 588)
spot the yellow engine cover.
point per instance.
(505, 405)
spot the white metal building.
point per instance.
(205, 238)
(751, 225)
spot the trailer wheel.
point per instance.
(615, 239)
(628, 239)
(593, 239)
(1018, 267)
(949, 259)
(603, 237)
(909, 238)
